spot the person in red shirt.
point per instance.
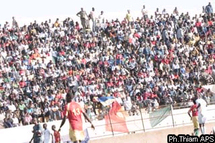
(194, 117)
(56, 134)
(73, 111)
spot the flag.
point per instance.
(115, 122)
(105, 101)
(159, 115)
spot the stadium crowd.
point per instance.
(151, 60)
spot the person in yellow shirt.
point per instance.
(57, 24)
(128, 17)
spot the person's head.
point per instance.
(93, 9)
(69, 96)
(194, 100)
(45, 126)
(82, 9)
(34, 121)
(53, 127)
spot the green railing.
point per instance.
(177, 116)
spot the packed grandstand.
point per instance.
(142, 62)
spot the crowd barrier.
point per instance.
(135, 124)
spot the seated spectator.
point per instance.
(27, 119)
(8, 123)
(15, 120)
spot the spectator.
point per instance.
(57, 137)
(127, 103)
(27, 119)
(209, 9)
(129, 17)
(144, 13)
(83, 17)
(8, 123)
(46, 134)
(93, 18)
(15, 120)
(37, 132)
(157, 60)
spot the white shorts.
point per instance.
(202, 119)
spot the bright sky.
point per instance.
(28, 10)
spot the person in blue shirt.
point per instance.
(37, 132)
(209, 9)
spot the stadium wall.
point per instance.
(180, 119)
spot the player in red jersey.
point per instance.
(75, 113)
(56, 135)
(194, 117)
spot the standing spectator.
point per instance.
(57, 138)
(46, 134)
(83, 17)
(209, 9)
(37, 132)
(127, 103)
(101, 20)
(129, 17)
(144, 13)
(93, 19)
(14, 23)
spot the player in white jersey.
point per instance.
(202, 113)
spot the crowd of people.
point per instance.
(149, 60)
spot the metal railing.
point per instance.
(142, 122)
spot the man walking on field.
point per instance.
(201, 103)
(74, 113)
(194, 117)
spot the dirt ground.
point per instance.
(159, 136)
